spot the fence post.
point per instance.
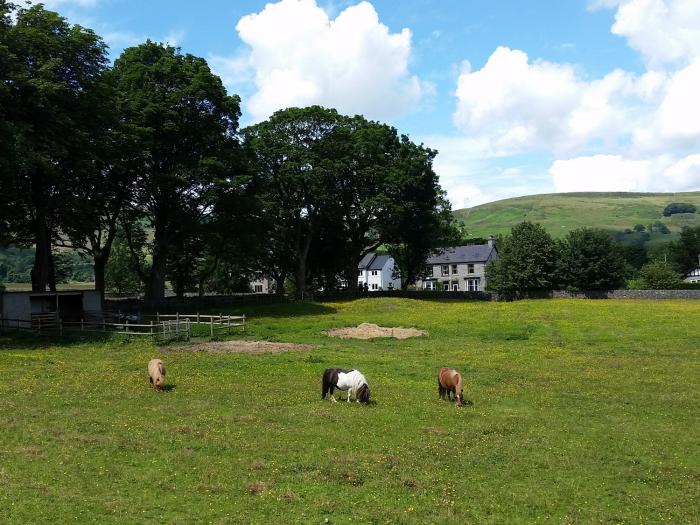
(228, 324)
(197, 317)
(60, 326)
(151, 327)
(82, 324)
(187, 327)
(39, 319)
(177, 316)
(244, 322)
(158, 317)
(211, 326)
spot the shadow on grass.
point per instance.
(169, 387)
(30, 341)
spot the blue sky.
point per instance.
(518, 97)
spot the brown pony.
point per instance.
(449, 381)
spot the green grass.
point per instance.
(583, 412)
(560, 213)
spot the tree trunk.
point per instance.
(279, 284)
(42, 269)
(155, 280)
(99, 265)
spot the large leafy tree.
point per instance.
(590, 260)
(187, 124)
(419, 214)
(527, 260)
(294, 159)
(52, 70)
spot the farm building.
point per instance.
(68, 305)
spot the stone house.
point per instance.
(459, 268)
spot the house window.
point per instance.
(375, 286)
(446, 286)
(359, 272)
(454, 269)
(375, 272)
(470, 268)
(359, 283)
(258, 288)
(455, 286)
(445, 269)
(428, 271)
(472, 285)
(391, 286)
(430, 285)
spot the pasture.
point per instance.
(581, 412)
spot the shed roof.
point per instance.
(372, 261)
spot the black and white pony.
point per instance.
(351, 380)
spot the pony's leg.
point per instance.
(332, 396)
(349, 392)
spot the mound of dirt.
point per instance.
(371, 331)
(240, 347)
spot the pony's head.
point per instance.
(459, 400)
(160, 381)
(363, 394)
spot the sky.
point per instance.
(518, 98)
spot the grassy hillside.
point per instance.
(562, 212)
(581, 412)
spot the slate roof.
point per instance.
(462, 254)
(372, 261)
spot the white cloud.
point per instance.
(617, 173)
(601, 173)
(663, 31)
(517, 105)
(620, 132)
(352, 63)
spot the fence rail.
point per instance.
(165, 326)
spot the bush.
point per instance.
(657, 275)
(678, 207)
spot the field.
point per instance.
(561, 212)
(581, 412)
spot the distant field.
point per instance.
(583, 412)
(561, 212)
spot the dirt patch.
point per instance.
(240, 347)
(370, 331)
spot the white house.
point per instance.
(377, 273)
(693, 276)
(459, 268)
(260, 284)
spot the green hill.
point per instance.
(559, 213)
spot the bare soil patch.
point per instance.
(370, 331)
(240, 347)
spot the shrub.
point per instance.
(678, 207)
(657, 275)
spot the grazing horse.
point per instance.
(450, 381)
(351, 380)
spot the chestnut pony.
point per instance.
(450, 381)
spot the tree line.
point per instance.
(145, 159)
(587, 259)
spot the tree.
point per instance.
(590, 260)
(121, 275)
(187, 124)
(685, 251)
(527, 260)
(293, 160)
(52, 70)
(657, 275)
(419, 213)
(678, 207)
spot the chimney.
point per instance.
(491, 241)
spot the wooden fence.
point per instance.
(165, 326)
